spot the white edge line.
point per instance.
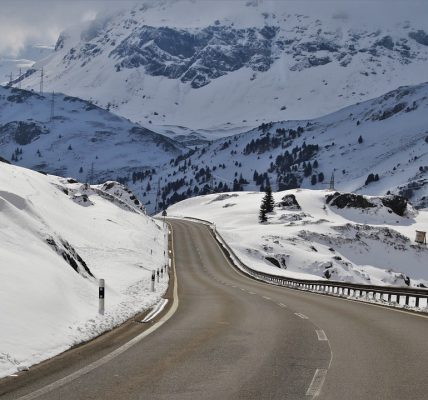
(90, 367)
(156, 310)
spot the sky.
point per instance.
(40, 21)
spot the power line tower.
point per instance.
(52, 107)
(90, 176)
(41, 81)
(332, 182)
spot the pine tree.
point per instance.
(267, 204)
(268, 199)
(262, 213)
(360, 139)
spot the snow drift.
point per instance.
(57, 238)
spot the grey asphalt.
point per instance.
(234, 338)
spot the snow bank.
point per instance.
(309, 237)
(57, 238)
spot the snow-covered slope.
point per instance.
(211, 66)
(315, 234)
(67, 136)
(386, 137)
(57, 238)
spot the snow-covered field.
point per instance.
(57, 238)
(313, 238)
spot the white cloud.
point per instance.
(25, 22)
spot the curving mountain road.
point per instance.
(234, 338)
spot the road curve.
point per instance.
(234, 338)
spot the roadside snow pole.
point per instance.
(153, 281)
(161, 272)
(158, 274)
(101, 295)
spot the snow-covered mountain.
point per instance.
(67, 136)
(218, 67)
(57, 238)
(318, 234)
(376, 147)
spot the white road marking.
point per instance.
(251, 292)
(107, 358)
(266, 298)
(156, 311)
(301, 315)
(317, 382)
(321, 334)
(282, 305)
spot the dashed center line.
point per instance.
(317, 382)
(251, 292)
(282, 305)
(321, 334)
(266, 298)
(301, 315)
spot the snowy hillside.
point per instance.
(57, 238)
(211, 68)
(67, 136)
(374, 147)
(320, 234)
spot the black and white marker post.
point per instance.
(153, 281)
(101, 295)
(158, 274)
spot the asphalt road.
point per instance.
(234, 338)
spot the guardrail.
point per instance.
(385, 295)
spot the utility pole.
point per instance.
(157, 196)
(10, 76)
(90, 175)
(211, 184)
(332, 181)
(52, 107)
(41, 81)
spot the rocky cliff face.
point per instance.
(196, 57)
